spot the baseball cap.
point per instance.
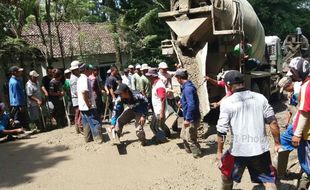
(74, 65)
(67, 71)
(131, 67)
(84, 67)
(181, 73)
(233, 77)
(144, 67)
(163, 65)
(299, 69)
(126, 70)
(34, 73)
(152, 72)
(15, 68)
(109, 71)
(121, 88)
(284, 82)
(138, 66)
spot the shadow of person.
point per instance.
(19, 161)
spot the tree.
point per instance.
(282, 17)
(137, 28)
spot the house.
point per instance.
(88, 42)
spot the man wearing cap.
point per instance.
(159, 102)
(135, 78)
(144, 85)
(191, 113)
(34, 99)
(137, 108)
(75, 74)
(87, 106)
(7, 126)
(299, 71)
(164, 75)
(126, 79)
(249, 146)
(17, 97)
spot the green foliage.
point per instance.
(282, 17)
(139, 30)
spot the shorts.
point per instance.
(259, 167)
(286, 138)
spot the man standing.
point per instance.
(112, 83)
(34, 99)
(135, 78)
(126, 79)
(137, 109)
(190, 105)
(144, 83)
(164, 75)
(46, 80)
(87, 106)
(249, 147)
(56, 94)
(95, 84)
(75, 74)
(159, 102)
(299, 71)
(17, 97)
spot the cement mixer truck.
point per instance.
(203, 36)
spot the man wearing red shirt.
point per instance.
(159, 102)
(300, 71)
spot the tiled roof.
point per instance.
(94, 38)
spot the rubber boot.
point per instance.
(227, 184)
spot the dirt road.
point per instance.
(61, 160)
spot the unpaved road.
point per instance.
(61, 160)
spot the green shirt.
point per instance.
(66, 88)
(144, 85)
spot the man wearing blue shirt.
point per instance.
(17, 97)
(191, 113)
(5, 127)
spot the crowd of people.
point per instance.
(244, 113)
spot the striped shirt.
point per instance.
(304, 106)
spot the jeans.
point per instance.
(90, 120)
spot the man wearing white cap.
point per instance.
(34, 99)
(75, 74)
(135, 78)
(131, 72)
(144, 85)
(164, 75)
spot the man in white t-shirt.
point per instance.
(87, 106)
(75, 74)
(249, 146)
